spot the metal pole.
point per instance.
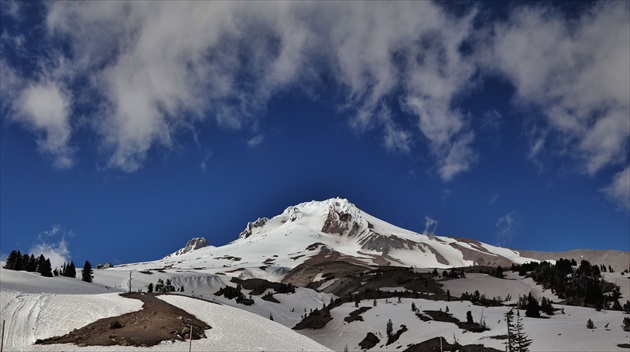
(190, 335)
(2, 340)
(129, 281)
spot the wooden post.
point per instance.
(189, 335)
(129, 281)
(2, 339)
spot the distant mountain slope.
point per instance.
(333, 229)
(618, 260)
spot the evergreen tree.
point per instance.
(469, 318)
(159, 287)
(32, 264)
(545, 306)
(448, 295)
(11, 259)
(626, 324)
(24, 261)
(17, 264)
(46, 269)
(522, 342)
(150, 288)
(510, 344)
(589, 324)
(86, 273)
(413, 307)
(270, 316)
(533, 309)
(41, 263)
(390, 328)
(72, 270)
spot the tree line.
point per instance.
(28, 262)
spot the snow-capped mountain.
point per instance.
(271, 247)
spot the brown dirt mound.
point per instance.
(157, 321)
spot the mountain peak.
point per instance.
(195, 243)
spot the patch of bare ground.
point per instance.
(356, 315)
(369, 341)
(448, 318)
(435, 345)
(157, 321)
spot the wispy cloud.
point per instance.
(508, 226)
(154, 70)
(495, 196)
(619, 190)
(256, 140)
(576, 74)
(53, 244)
(430, 225)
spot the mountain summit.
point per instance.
(335, 229)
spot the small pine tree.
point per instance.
(374, 303)
(150, 288)
(533, 309)
(86, 273)
(446, 310)
(413, 307)
(390, 328)
(589, 324)
(626, 324)
(522, 342)
(469, 318)
(270, 316)
(448, 295)
(159, 287)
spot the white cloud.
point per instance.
(159, 70)
(44, 108)
(495, 196)
(619, 190)
(255, 141)
(508, 226)
(53, 245)
(576, 73)
(162, 65)
(430, 225)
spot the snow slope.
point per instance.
(269, 248)
(32, 316)
(561, 332)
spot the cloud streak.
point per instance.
(157, 71)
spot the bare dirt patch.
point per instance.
(157, 321)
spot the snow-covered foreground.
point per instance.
(32, 316)
(561, 332)
(36, 307)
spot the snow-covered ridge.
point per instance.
(193, 244)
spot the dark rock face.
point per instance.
(251, 226)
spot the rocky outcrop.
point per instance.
(251, 226)
(195, 243)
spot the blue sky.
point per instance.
(130, 127)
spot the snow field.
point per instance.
(491, 286)
(38, 316)
(561, 332)
(237, 330)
